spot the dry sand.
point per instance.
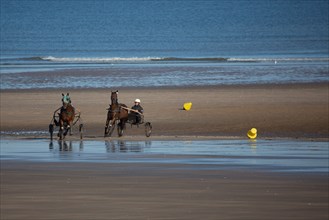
(294, 111)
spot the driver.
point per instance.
(138, 108)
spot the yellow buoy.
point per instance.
(252, 133)
(187, 106)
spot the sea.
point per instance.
(153, 43)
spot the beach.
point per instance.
(277, 111)
(151, 191)
(242, 65)
(119, 188)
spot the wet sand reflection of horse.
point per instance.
(69, 146)
(115, 114)
(121, 146)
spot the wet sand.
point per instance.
(32, 190)
(293, 111)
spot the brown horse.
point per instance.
(66, 116)
(115, 114)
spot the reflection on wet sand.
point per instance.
(278, 155)
(110, 146)
(64, 146)
(253, 145)
(124, 147)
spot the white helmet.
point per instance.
(138, 100)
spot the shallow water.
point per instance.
(171, 74)
(272, 155)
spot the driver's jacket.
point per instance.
(138, 108)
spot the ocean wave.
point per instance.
(297, 59)
(90, 59)
(216, 59)
(31, 58)
(120, 59)
(171, 59)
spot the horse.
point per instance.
(116, 113)
(66, 116)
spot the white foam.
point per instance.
(98, 59)
(289, 59)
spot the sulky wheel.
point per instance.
(148, 129)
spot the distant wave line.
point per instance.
(278, 59)
(168, 59)
(219, 59)
(88, 59)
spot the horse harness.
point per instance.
(69, 113)
(117, 110)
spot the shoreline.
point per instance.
(150, 88)
(296, 111)
(139, 138)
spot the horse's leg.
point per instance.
(70, 127)
(61, 129)
(121, 127)
(110, 126)
(123, 121)
(120, 130)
